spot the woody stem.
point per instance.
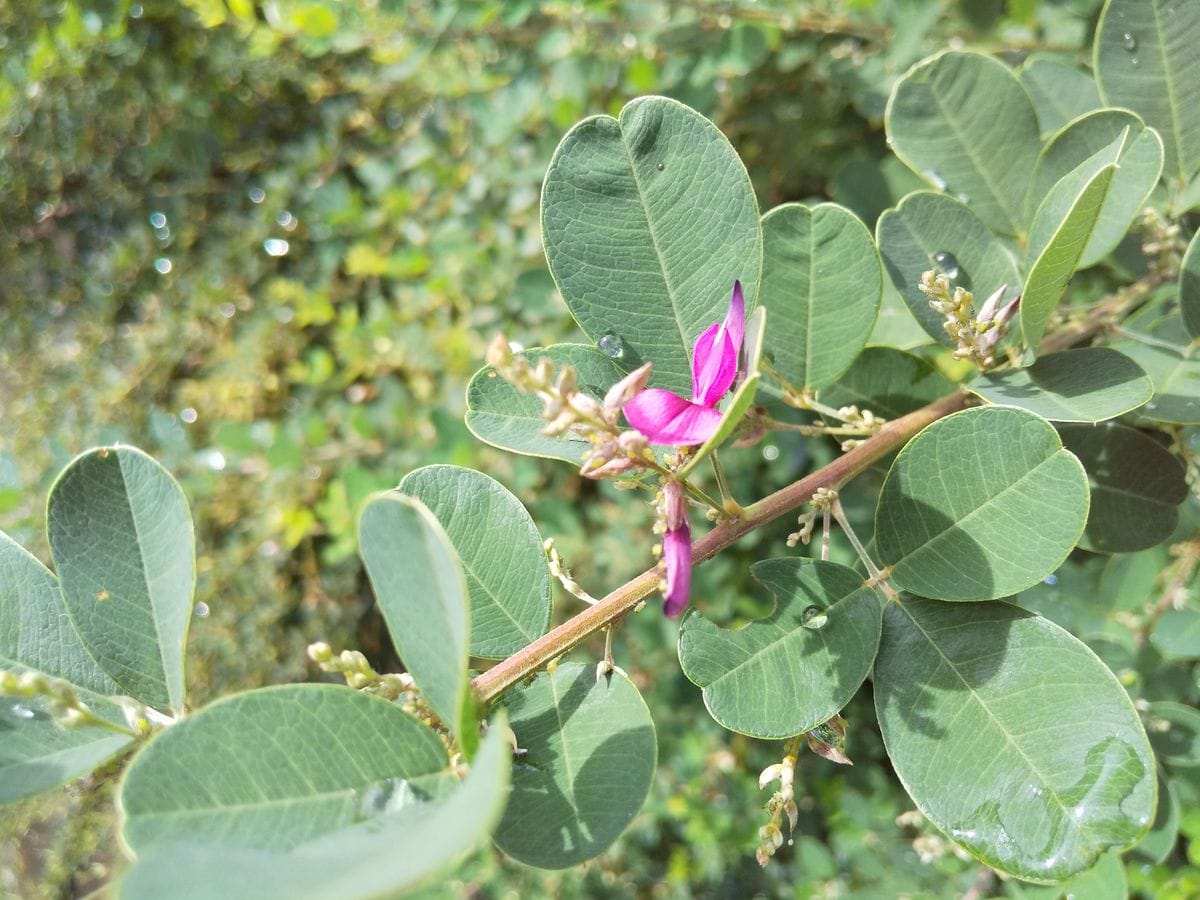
(569, 634)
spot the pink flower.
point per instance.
(677, 549)
(666, 418)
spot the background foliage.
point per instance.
(266, 242)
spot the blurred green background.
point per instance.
(266, 242)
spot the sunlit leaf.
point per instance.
(587, 755)
(1012, 737)
(648, 220)
(785, 674)
(822, 284)
(507, 579)
(980, 505)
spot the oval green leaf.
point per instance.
(1139, 166)
(1189, 288)
(1088, 384)
(507, 579)
(964, 122)
(822, 283)
(1057, 262)
(1012, 737)
(122, 541)
(422, 593)
(1136, 485)
(888, 382)
(1176, 377)
(382, 856)
(648, 220)
(933, 231)
(1174, 730)
(273, 768)
(587, 755)
(777, 677)
(980, 505)
(1177, 633)
(1060, 92)
(1146, 60)
(500, 415)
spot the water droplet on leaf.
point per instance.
(1129, 42)
(945, 261)
(814, 618)
(661, 167)
(611, 345)
(21, 712)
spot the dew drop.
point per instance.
(201, 610)
(611, 345)
(945, 261)
(661, 167)
(814, 618)
(21, 712)
(276, 247)
(1129, 42)
(1051, 579)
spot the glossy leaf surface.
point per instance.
(1012, 737)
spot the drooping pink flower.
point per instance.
(677, 549)
(664, 417)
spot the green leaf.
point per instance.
(1145, 60)
(1136, 485)
(1057, 262)
(508, 582)
(1164, 833)
(1177, 634)
(777, 677)
(735, 407)
(1088, 384)
(1174, 731)
(1128, 580)
(890, 383)
(964, 122)
(1189, 287)
(1011, 737)
(981, 504)
(276, 767)
(933, 231)
(1176, 377)
(1103, 881)
(1073, 155)
(822, 283)
(121, 537)
(37, 753)
(393, 850)
(647, 221)
(1060, 92)
(422, 593)
(587, 757)
(500, 415)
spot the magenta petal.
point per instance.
(735, 319)
(677, 555)
(666, 418)
(714, 366)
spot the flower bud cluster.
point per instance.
(568, 409)
(58, 696)
(559, 570)
(782, 803)
(822, 502)
(359, 674)
(975, 338)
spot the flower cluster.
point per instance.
(566, 408)
(975, 339)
